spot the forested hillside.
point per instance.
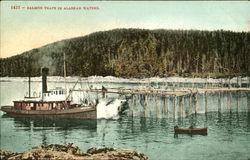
(139, 53)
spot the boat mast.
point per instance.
(29, 77)
(65, 85)
(29, 85)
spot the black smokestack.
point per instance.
(44, 79)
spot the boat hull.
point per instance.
(75, 113)
(191, 131)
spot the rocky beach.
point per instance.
(70, 151)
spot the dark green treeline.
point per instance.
(139, 53)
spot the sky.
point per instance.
(25, 29)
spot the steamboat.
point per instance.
(53, 103)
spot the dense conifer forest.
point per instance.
(139, 53)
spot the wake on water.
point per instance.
(109, 110)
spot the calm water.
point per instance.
(228, 133)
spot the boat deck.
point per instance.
(79, 112)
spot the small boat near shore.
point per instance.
(190, 130)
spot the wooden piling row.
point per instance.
(145, 106)
(248, 101)
(190, 104)
(229, 101)
(237, 100)
(134, 104)
(205, 101)
(174, 105)
(178, 98)
(156, 106)
(196, 103)
(164, 107)
(182, 105)
(248, 82)
(167, 104)
(219, 101)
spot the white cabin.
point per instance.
(57, 94)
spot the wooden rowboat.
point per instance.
(190, 130)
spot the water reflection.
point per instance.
(227, 132)
(38, 124)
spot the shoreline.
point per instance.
(112, 79)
